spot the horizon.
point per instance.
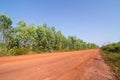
(92, 21)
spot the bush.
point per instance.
(111, 54)
(113, 59)
(18, 51)
(114, 47)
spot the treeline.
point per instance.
(113, 47)
(24, 38)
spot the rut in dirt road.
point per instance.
(74, 65)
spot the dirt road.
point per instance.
(74, 65)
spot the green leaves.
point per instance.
(40, 38)
(113, 47)
(5, 26)
(21, 23)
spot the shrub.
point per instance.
(113, 59)
(18, 51)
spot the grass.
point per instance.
(113, 60)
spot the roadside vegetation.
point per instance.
(111, 54)
(27, 38)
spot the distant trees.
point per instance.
(28, 37)
(113, 47)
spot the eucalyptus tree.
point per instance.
(26, 35)
(21, 23)
(41, 40)
(5, 26)
(59, 41)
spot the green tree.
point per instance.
(21, 23)
(59, 40)
(25, 37)
(41, 40)
(5, 28)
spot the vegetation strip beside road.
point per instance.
(111, 54)
(24, 38)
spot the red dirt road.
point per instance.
(74, 65)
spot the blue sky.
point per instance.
(96, 21)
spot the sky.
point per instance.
(96, 21)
